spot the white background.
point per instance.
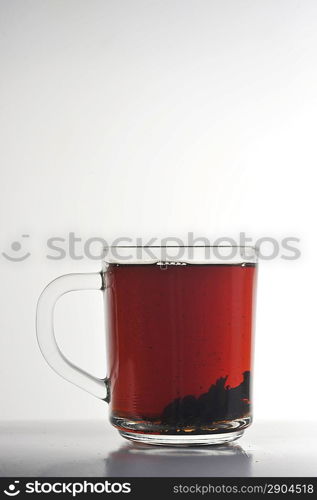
(155, 118)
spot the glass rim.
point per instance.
(251, 247)
(180, 254)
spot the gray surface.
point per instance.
(95, 449)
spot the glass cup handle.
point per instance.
(46, 336)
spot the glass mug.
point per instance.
(179, 341)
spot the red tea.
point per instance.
(179, 345)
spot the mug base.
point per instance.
(181, 440)
(155, 433)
